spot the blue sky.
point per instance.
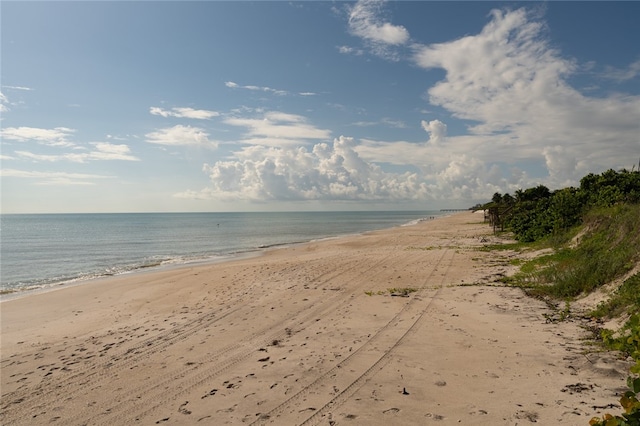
(233, 106)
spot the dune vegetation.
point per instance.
(594, 235)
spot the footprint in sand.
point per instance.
(434, 416)
(212, 392)
(183, 408)
(528, 415)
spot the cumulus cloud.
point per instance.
(508, 82)
(181, 136)
(561, 164)
(57, 136)
(436, 129)
(326, 172)
(449, 170)
(512, 85)
(198, 114)
(109, 151)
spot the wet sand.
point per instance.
(308, 335)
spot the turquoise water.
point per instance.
(45, 250)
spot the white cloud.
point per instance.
(344, 171)
(561, 164)
(53, 178)
(512, 85)
(51, 137)
(198, 114)
(348, 50)
(365, 123)
(181, 136)
(327, 172)
(499, 76)
(103, 151)
(17, 87)
(629, 73)
(4, 100)
(50, 158)
(109, 151)
(450, 171)
(398, 124)
(277, 128)
(436, 129)
(266, 89)
(3, 103)
(233, 85)
(385, 121)
(365, 22)
(507, 81)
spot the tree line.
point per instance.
(535, 213)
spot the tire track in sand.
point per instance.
(50, 392)
(167, 387)
(348, 374)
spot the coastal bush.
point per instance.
(609, 248)
(629, 343)
(623, 299)
(594, 231)
(537, 213)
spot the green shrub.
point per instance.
(609, 249)
(630, 344)
(626, 297)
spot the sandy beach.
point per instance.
(308, 334)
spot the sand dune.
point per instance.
(308, 335)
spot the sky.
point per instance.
(313, 105)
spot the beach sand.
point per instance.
(308, 334)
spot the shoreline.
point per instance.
(307, 334)
(47, 288)
(10, 293)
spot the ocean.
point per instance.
(46, 250)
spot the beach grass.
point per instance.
(607, 250)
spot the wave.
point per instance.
(35, 285)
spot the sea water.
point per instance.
(44, 250)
